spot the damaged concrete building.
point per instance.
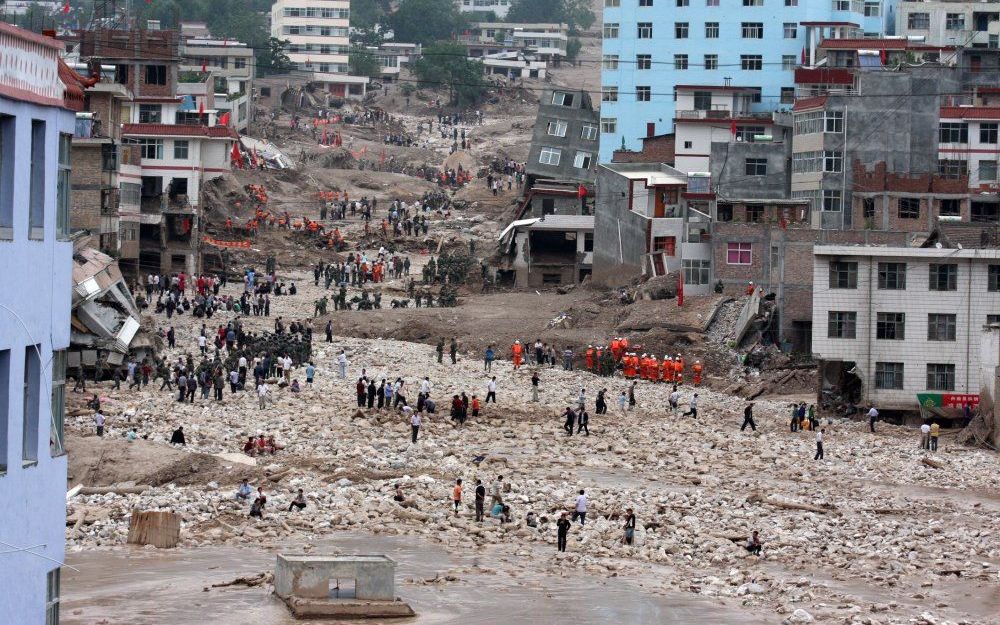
(105, 322)
(551, 250)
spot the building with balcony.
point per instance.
(651, 219)
(232, 66)
(898, 326)
(649, 48)
(546, 41)
(951, 22)
(38, 97)
(968, 146)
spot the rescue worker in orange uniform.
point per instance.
(517, 350)
(616, 348)
(589, 355)
(627, 366)
(654, 368)
(668, 369)
(597, 359)
(678, 370)
(696, 372)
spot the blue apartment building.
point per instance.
(650, 46)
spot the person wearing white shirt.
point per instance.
(262, 391)
(425, 386)
(925, 436)
(491, 390)
(819, 444)
(872, 418)
(342, 362)
(287, 366)
(414, 422)
(202, 343)
(580, 510)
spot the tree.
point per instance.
(365, 14)
(363, 62)
(273, 59)
(426, 21)
(444, 64)
(576, 13)
(573, 48)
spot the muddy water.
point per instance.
(145, 587)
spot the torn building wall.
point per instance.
(105, 315)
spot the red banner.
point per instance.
(221, 243)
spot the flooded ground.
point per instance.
(145, 587)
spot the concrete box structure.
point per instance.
(499, 8)
(304, 583)
(649, 48)
(950, 22)
(904, 320)
(36, 128)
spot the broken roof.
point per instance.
(964, 235)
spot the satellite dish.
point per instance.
(959, 246)
(938, 245)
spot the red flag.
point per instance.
(732, 127)
(680, 287)
(65, 8)
(803, 56)
(581, 191)
(204, 68)
(237, 158)
(201, 107)
(224, 120)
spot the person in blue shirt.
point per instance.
(488, 359)
(310, 373)
(244, 491)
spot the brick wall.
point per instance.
(85, 183)
(654, 150)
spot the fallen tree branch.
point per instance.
(932, 463)
(115, 490)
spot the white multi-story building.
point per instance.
(950, 22)
(498, 7)
(36, 129)
(905, 321)
(318, 32)
(968, 144)
(233, 68)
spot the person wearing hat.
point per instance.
(696, 372)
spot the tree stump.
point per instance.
(160, 529)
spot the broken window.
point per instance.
(909, 208)
(890, 326)
(943, 277)
(843, 274)
(892, 276)
(842, 324)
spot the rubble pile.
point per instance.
(872, 514)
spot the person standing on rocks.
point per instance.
(819, 444)
(480, 500)
(582, 420)
(262, 392)
(496, 489)
(629, 527)
(580, 509)
(453, 350)
(570, 419)
(674, 399)
(622, 401)
(456, 495)
(440, 351)
(872, 418)
(562, 532)
(488, 359)
(631, 395)
(342, 363)
(692, 407)
(748, 418)
(414, 423)
(534, 386)
(491, 390)
(601, 405)
(99, 422)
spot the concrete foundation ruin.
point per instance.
(356, 586)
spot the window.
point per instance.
(987, 171)
(832, 201)
(702, 100)
(688, 145)
(711, 61)
(697, 272)
(151, 148)
(609, 125)
(583, 160)
(842, 324)
(56, 440)
(6, 177)
(755, 167)
(755, 213)
(711, 30)
(550, 156)
(644, 30)
(753, 3)
(843, 274)
(52, 597)
(943, 277)
(739, 253)
(868, 208)
(752, 30)
(951, 208)
(954, 21)
(892, 276)
(588, 132)
(557, 128)
(833, 161)
(667, 245)
(940, 377)
(841, 5)
(889, 375)
(680, 61)
(872, 9)
(561, 98)
(711, 3)
(609, 61)
(32, 390)
(156, 74)
(788, 95)
(609, 94)
(239, 63)
(940, 327)
(612, 4)
(984, 213)
(954, 132)
(680, 30)
(36, 189)
(4, 406)
(150, 113)
(63, 187)
(644, 61)
(992, 319)
(791, 30)
(988, 132)
(918, 21)
(834, 121)
(791, 3)
(649, 3)
(890, 326)
(180, 149)
(953, 169)
(909, 208)
(642, 93)
(788, 63)
(993, 283)
(751, 62)
(611, 30)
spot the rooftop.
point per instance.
(970, 112)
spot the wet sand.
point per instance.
(144, 587)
